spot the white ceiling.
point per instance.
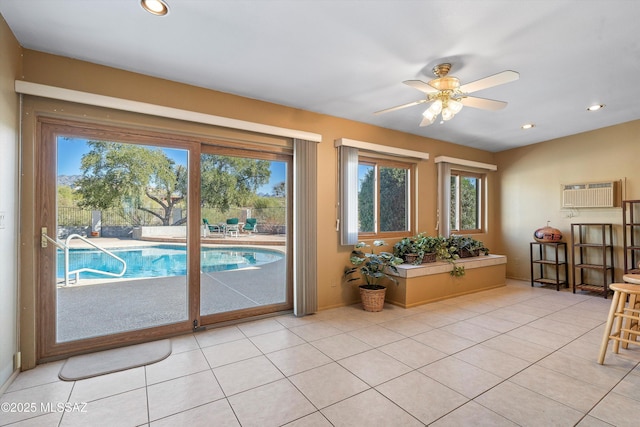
(348, 58)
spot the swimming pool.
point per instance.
(163, 260)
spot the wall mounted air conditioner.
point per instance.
(591, 195)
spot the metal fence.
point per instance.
(270, 220)
(74, 217)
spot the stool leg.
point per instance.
(630, 323)
(619, 322)
(609, 325)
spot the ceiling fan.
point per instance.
(448, 96)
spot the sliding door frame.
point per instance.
(259, 152)
(48, 130)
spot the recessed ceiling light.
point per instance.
(156, 7)
(528, 126)
(595, 107)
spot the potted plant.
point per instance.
(406, 250)
(418, 249)
(465, 246)
(428, 247)
(373, 269)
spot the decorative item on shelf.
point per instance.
(547, 234)
(373, 269)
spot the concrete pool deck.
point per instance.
(97, 307)
(126, 305)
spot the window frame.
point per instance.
(481, 201)
(378, 163)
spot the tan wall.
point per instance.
(530, 179)
(72, 74)
(9, 149)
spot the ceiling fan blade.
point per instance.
(420, 85)
(425, 122)
(398, 107)
(491, 81)
(483, 103)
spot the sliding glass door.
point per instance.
(114, 233)
(123, 255)
(245, 214)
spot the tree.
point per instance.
(116, 174)
(392, 200)
(231, 181)
(66, 197)
(279, 190)
(366, 197)
(466, 208)
(393, 197)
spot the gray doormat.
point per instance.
(118, 359)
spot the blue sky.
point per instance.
(70, 152)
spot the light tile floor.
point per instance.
(506, 357)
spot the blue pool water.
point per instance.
(163, 260)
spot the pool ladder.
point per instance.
(65, 247)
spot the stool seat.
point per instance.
(627, 288)
(632, 278)
(618, 314)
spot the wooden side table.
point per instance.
(541, 257)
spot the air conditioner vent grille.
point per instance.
(589, 195)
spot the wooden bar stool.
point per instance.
(634, 302)
(617, 314)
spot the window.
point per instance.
(465, 198)
(383, 196)
(462, 195)
(375, 191)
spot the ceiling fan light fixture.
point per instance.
(595, 107)
(429, 117)
(155, 7)
(435, 108)
(455, 106)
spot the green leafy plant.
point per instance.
(417, 247)
(455, 246)
(458, 244)
(404, 247)
(373, 267)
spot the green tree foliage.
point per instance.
(116, 174)
(279, 190)
(393, 196)
(393, 199)
(66, 197)
(366, 198)
(231, 181)
(468, 205)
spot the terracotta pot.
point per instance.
(547, 234)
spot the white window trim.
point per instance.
(384, 149)
(348, 182)
(445, 165)
(87, 98)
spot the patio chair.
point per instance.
(232, 227)
(251, 225)
(213, 228)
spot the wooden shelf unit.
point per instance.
(631, 235)
(592, 253)
(559, 261)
